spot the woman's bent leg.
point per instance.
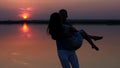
(87, 37)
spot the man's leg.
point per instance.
(63, 56)
(74, 61)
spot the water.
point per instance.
(36, 49)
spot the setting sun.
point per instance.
(24, 15)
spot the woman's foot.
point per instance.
(97, 38)
(95, 47)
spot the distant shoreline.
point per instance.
(84, 22)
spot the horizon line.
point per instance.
(72, 21)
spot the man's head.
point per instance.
(63, 14)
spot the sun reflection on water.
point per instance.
(26, 30)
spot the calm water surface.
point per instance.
(36, 49)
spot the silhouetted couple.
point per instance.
(61, 31)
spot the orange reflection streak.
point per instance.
(26, 31)
(25, 28)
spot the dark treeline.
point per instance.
(84, 22)
(25, 21)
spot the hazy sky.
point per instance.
(35, 49)
(77, 9)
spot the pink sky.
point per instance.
(77, 9)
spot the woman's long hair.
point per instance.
(55, 25)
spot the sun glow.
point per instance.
(25, 13)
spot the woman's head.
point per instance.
(55, 25)
(55, 22)
(55, 18)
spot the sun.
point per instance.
(25, 13)
(25, 16)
